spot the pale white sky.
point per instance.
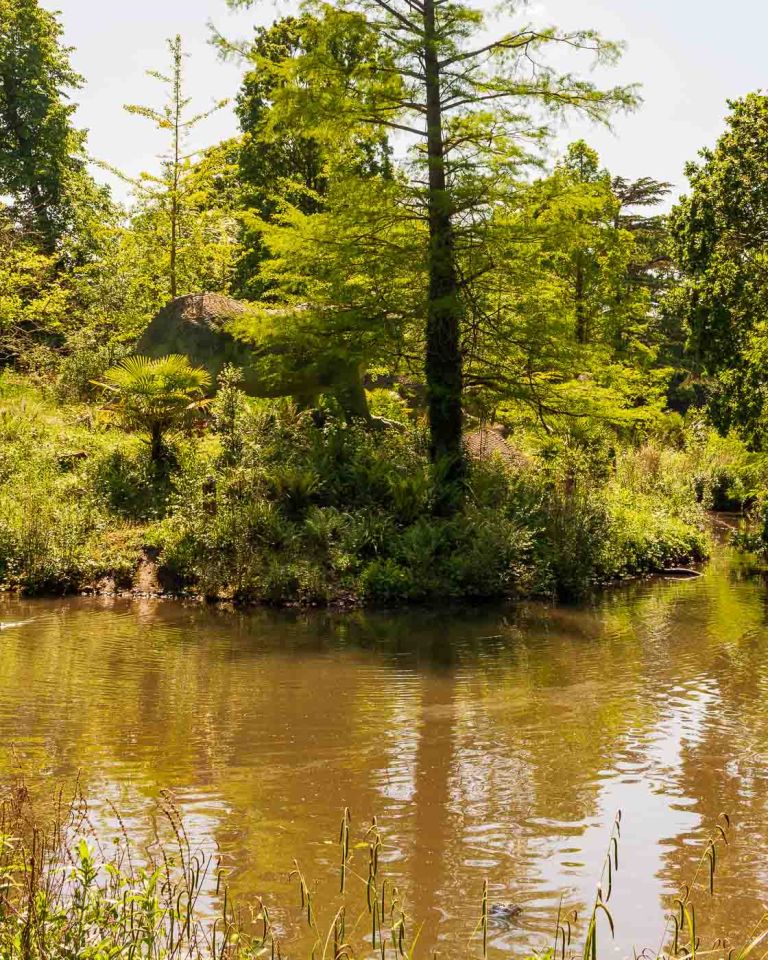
(689, 55)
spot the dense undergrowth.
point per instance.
(265, 503)
(69, 893)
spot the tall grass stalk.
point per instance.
(64, 896)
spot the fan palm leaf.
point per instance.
(156, 394)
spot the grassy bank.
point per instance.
(264, 503)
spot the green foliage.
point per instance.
(88, 354)
(57, 478)
(752, 535)
(469, 556)
(278, 163)
(347, 514)
(41, 154)
(199, 254)
(562, 323)
(655, 519)
(229, 415)
(389, 405)
(61, 898)
(718, 230)
(726, 475)
(34, 298)
(466, 124)
(187, 242)
(43, 543)
(128, 483)
(556, 255)
(340, 299)
(542, 304)
(604, 515)
(270, 507)
(156, 395)
(576, 524)
(52, 214)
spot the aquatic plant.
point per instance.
(65, 894)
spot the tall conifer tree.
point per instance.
(465, 103)
(172, 187)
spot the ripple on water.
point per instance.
(491, 745)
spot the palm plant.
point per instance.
(156, 395)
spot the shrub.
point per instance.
(576, 526)
(59, 526)
(293, 488)
(155, 395)
(279, 505)
(43, 540)
(131, 486)
(389, 405)
(646, 537)
(385, 581)
(86, 359)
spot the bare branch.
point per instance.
(409, 25)
(511, 42)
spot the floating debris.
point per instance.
(681, 573)
(504, 912)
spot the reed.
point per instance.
(63, 896)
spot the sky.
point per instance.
(689, 57)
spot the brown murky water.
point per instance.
(490, 744)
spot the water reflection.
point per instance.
(490, 744)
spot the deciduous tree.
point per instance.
(41, 152)
(719, 231)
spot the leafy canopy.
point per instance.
(719, 231)
(41, 153)
(469, 113)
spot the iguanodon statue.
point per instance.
(200, 325)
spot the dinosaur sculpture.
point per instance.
(200, 325)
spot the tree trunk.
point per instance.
(156, 446)
(174, 242)
(582, 322)
(443, 367)
(176, 177)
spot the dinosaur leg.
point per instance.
(305, 399)
(350, 393)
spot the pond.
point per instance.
(490, 744)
